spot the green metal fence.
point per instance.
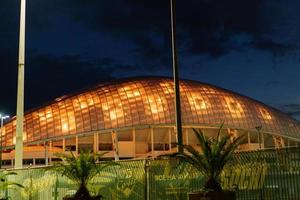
(268, 175)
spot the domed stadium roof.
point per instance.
(149, 101)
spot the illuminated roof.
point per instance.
(149, 101)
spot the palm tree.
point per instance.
(211, 160)
(81, 169)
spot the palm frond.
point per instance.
(204, 143)
(214, 155)
(80, 168)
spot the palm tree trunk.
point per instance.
(212, 184)
(82, 192)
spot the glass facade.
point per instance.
(148, 101)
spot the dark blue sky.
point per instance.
(249, 46)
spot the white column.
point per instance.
(187, 136)
(249, 139)
(46, 153)
(176, 138)
(134, 142)
(20, 94)
(115, 144)
(262, 141)
(152, 142)
(95, 143)
(64, 144)
(50, 152)
(170, 139)
(282, 141)
(76, 144)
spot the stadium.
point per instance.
(135, 118)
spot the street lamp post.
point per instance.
(2, 118)
(20, 94)
(258, 129)
(176, 76)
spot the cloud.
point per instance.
(292, 109)
(205, 27)
(276, 48)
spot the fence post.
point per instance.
(147, 181)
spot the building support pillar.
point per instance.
(282, 142)
(46, 153)
(115, 144)
(64, 144)
(258, 139)
(249, 139)
(76, 145)
(50, 152)
(98, 144)
(134, 142)
(152, 141)
(95, 144)
(170, 139)
(187, 136)
(262, 141)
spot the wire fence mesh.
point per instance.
(268, 175)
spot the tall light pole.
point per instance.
(258, 129)
(20, 94)
(2, 118)
(176, 76)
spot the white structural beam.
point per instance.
(262, 141)
(170, 139)
(187, 136)
(115, 141)
(46, 153)
(95, 143)
(76, 145)
(20, 94)
(64, 144)
(134, 142)
(152, 142)
(50, 152)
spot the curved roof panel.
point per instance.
(148, 101)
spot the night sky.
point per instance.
(248, 46)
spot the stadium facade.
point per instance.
(134, 118)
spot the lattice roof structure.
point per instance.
(148, 102)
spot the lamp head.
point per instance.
(258, 128)
(4, 116)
